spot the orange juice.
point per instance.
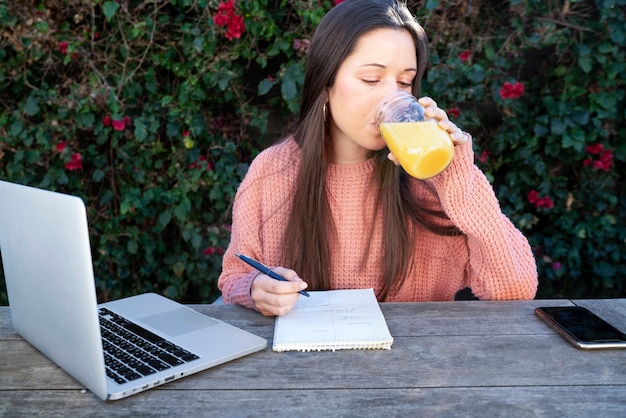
(422, 148)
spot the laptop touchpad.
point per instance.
(178, 321)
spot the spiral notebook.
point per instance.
(333, 320)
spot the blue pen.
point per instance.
(266, 270)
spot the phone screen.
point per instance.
(582, 327)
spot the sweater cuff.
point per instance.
(460, 170)
(239, 291)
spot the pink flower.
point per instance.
(63, 46)
(61, 146)
(556, 266)
(464, 56)
(455, 111)
(336, 2)
(511, 91)
(75, 163)
(106, 121)
(301, 45)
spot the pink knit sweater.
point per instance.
(491, 257)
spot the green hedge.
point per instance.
(152, 110)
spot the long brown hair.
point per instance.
(310, 230)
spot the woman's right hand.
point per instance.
(273, 297)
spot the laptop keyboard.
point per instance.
(131, 351)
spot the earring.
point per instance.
(325, 112)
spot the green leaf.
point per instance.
(264, 86)
(109, 8)
(132, 247)
(32, 107)
(141, 131)
(85, 120)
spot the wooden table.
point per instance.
(448, 359)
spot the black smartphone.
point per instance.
(582, 327)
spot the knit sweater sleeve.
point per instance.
(260, 213)
(501, 265)
(236, 278)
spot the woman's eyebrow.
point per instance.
(374, 64)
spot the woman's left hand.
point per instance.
(432, 110)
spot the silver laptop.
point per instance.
(46, 254)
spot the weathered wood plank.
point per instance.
(519, 402)
(461, 358)
(416, 362)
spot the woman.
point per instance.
(330, 208)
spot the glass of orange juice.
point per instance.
(422, 147)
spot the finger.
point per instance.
(287, 273)
(268, 298)
(460, 138)
(393, 159)
(427, 101)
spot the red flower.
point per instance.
(185, 133)
(540, 202)
(198, 164)
(63, 46)
(61, 146)
(455, 111)
(511, 91)
(336, 2)
(118, 125)
(483, 156)
(226, 17)
(208, 251)
(465, 55)
(604, 160)
(106, 121)
(546, 202)
(595, 149)
(76, 162)
(235, 28)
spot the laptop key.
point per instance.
(132, 352)
(170, 359)
(158, 365)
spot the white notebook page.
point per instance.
(333, 320)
